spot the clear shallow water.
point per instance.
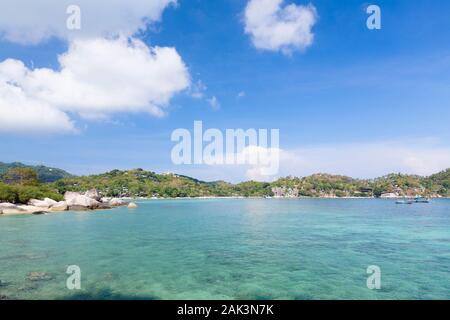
(232, 249)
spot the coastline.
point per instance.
(267, 198)
(137, 199)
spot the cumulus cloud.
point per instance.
(25, 21)
(97, 77)
(277, 27)
(104, 71)
(20, 114)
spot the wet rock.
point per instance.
(39, 276)
(78, 208)
(115, 202)
(3, 297)
(104, 206)
(132, 205)
(38, 213)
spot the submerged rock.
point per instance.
(38, 213)
(3, 284)
(3, 297)
(39, 276)
(28, 287)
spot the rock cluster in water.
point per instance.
(90, 200)
(39, 276)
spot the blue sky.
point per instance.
(355, 101)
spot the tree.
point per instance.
(8, 194)
(21, 176)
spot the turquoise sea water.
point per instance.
(232, 249)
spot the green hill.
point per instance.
(45, 174)
(141, 183)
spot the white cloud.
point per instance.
(104, 71)
(214, 103)
(275, 27)
(21, 114)
(198, 90)
(97, 77)
(25, 21)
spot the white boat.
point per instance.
(421, 200)
(404, 202)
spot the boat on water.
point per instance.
(411, 201)
(421, 200)
(404, 202)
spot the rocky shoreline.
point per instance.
(91, 200)
(73, 201)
